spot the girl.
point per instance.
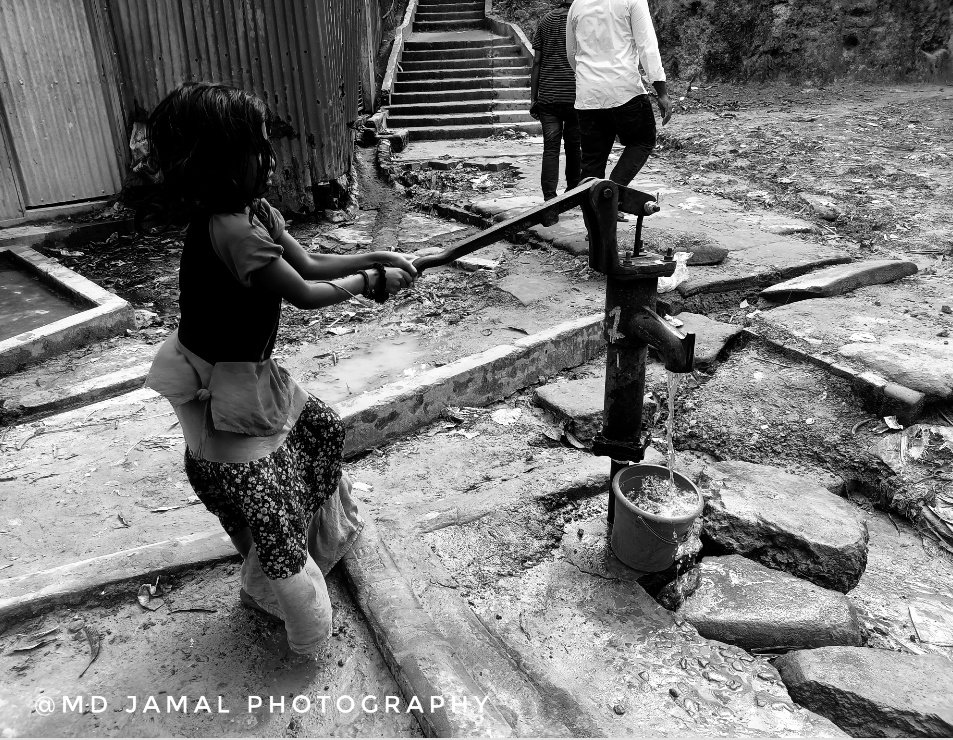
(261, 454)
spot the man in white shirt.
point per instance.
(605, 42)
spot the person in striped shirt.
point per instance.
(553, 96)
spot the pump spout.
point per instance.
(676, 349)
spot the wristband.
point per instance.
(380, 288)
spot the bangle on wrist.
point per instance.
(380, 287)
(366, 290)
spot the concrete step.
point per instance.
(444, 6)
(455, 25)
(477, 73)
(457, 106)
(423, 44)
(459, 119)
(473, 52)
(461, 64)
(449, 96)
(439, 14)
(430, 133)
(462, 83)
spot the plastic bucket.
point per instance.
(643, 541)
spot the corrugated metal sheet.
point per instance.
(58, 116)
(302, 57)
(11, 206)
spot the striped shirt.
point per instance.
(557, 81)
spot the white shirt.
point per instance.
(605, 40)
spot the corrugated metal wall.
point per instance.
(55, 99)
(303, 57)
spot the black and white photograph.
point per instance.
(476, 368)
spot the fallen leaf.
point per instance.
(95, 643)
(339, 330)
(34, 644)
(573, 441)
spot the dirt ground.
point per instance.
(199, 643)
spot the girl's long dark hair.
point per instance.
(207, 149)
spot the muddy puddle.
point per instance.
(363, 369)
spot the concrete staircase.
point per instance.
(456, 79)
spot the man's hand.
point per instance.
(665, 107)
(395, 259)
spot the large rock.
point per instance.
(743, 603)
(840, 279)
(873, 693)
(786, 522)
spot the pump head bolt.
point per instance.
(607, 193)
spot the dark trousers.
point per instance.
(560, 126)
(633, 122)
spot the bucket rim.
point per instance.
(661, 471)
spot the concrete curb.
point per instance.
(371, 420)
(33, 235)
(505, 28)
(477, 380)
(25, 596)
(107, 314)
(420, 659)
(395, 52)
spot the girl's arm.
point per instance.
(281, 278)
(331, 266)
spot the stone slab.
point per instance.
(873, 693)
(711, 336)
(759, 250)
(839, 279)
(527, 289)
(417, 227)
(743, 603)
(878, 334)
(626, 666)
(785, 522)
(500, 209)
(580, 401)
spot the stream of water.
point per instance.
(674, 381)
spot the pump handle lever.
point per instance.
(630, 201)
